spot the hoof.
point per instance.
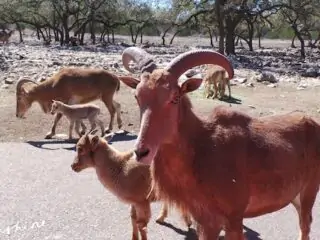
(160, 219)
(83, 132)
(107, 131)
(49, 136)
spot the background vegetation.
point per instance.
(227, 21)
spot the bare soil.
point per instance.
(259, 100)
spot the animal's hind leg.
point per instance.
(163, 213)
(53, 128)
(135, 230)
(117, 107)
(229, 88)
(186, 218)
(77, 128)
(304, 203)
(84, 128)
(100, 123)
(111, 108)
(93, 124)
(143, 217)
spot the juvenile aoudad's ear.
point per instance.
(94, 142)
(129, 81)
(190, 85)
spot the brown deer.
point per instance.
(275, 160)
(71, 86)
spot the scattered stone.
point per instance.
(272, 85)
(267, 77)
(5, 86)
(239, 80)
(310, 72)
(250, 84)
(8, 81)
(302, 86)
(251, 106)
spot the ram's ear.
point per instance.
(129, 81)
(190, 85)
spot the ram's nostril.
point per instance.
(141, 153)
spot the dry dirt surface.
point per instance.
(295, 85)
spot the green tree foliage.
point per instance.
(222, 20)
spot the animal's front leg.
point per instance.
(53, 128)
(71, 129)
(234, 229)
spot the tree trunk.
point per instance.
(163, 36)
(299, 36)
(259, 40)
(141, 36)
(220, 17)
(38, 34)
(251, 33)
(211, 37)
(292, 42)
(92, 33)
(112, 32)
(20, 32)
(231, 26)
(174, 35)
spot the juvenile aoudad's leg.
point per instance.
(57, 118)
(143, 217)
(135, 230)
(71, 128)
(77, 127)
(117, 107)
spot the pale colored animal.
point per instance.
(218, 77)
(70, 86)
(78, 112)
(123, 176)
(4, 36)
(230, 165)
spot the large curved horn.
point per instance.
(22, 81)
(143, 59)
(194, 58)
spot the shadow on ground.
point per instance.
(191, 234)
(232, 100)
(56, 144)
(122, 136)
